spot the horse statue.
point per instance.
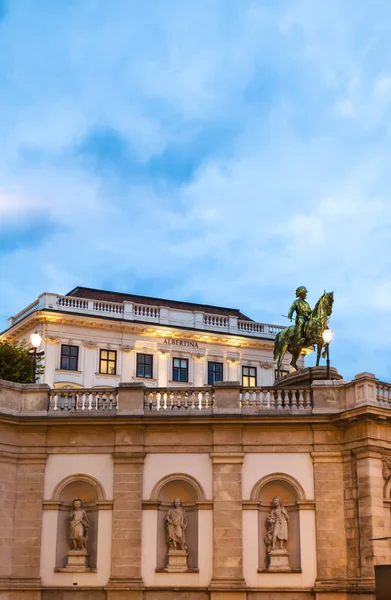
(294, 340)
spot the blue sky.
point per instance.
(218, 151)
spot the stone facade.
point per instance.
(328, 462)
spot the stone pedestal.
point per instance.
(77, 562)
(177, 561)
(279, 560)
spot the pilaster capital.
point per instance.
(221, 458)
(326, 457)
(128, 457)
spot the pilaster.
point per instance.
(330, 518)
(227, 524)
(127, 512)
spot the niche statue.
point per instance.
(276, 536)
(176, 522)
(78, 526)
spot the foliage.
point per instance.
(16, 362)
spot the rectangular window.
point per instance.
(249, 376)
(69, 357)
(144, 365)
(108, 362)
(180, 369)
(215, 372)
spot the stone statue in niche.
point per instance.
(78, 526)
(176, 522)
(277, 534)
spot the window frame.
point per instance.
(107, 360)
(211, 374)
(144, 376)
(248, 376)
(186, 369)
(69, 357)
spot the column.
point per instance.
(330, 519)
(227, 526)
(126, 540)
(26, 552)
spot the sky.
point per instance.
(219, 151)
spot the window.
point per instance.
(282, 373)
(144, 365)
(215, 372)
(108, 362)
(249, 376)
(180, 369)
(69, 357)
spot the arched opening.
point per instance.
(189, 491)
(90, 492)
(290, 492)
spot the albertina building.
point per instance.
(158, 458)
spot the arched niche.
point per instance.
(290, 492)
(90, 491)
(190, 492)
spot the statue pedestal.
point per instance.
(279, 560)
(77, 562)
(177, 561)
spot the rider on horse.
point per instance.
(303, 313)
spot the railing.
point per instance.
(83, 400)
(26, 311)
(216, 321)
(149, 313)
(383, 394)
(197, 399)
(251, 327)
(69, 302)
(268, 398)
(108, 307)
(146, 311)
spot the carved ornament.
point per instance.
(198, 357)
(386, 466)
(266, 365)
(51, 339)
(89, 344)
(127, 348)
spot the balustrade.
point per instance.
(108, 307)
(383, 394)
(146, 311)
(197, 399)
(251, 327)
(83, 400)
(268, 398)
(215, 321)
(70, 302)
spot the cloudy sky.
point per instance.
(218, 151)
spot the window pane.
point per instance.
(183, 375)
(177, 362)
(112, 355)
(73, 350)
(140, 371)
(148, 359)
(103, 366)
(148, 371)
(176, 375)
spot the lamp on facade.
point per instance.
(327, 337)
(36, 340)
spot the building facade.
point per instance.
(184, 480)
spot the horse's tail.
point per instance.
(276, 345)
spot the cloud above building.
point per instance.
(217, 152)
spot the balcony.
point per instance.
(158, 315)
(322, 398)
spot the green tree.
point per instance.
(16, 362)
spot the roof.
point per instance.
(106, 296)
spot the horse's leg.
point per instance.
(295, 355)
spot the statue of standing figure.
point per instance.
(277, 525)
(176, 520)
(78, 526)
